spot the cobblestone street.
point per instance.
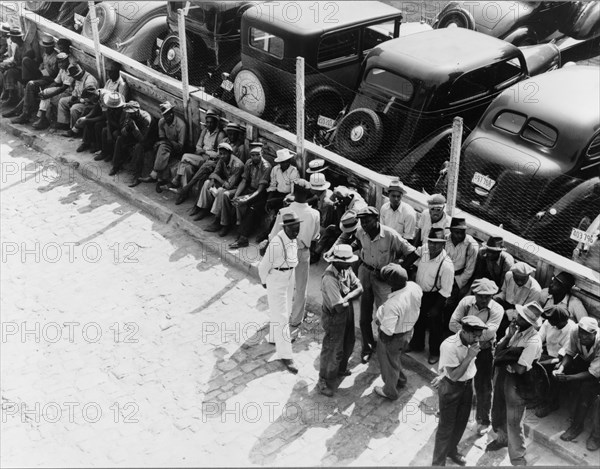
(124, 343)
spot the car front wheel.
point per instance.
(359, 134)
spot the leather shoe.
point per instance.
(148, 179)
(225, 229)
(82, 147)
(194, 211)
(201, 214)
(240, 243)
(326, 391)
(379, 391)
(113, 171)
(41, 124)
(99, 157)
(159, 187)
(433, 359)
(12, 113)
(135, 182)
(572, 432)
(365, 357)
(495, 445)
(216, 226)
(61, 126)
(69, 133)
(458, 459)
(22, 119)
(290, 365)
(593, 443)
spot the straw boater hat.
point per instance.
(256, 147)
(166, 107)
(283, 155)
(234, 126)
(47, 41)
(113, 100)
(396, 185)
(531, 312)
(349, 222)
(341, 253)
(225, 146)
(4, 29)
(316, 166)
(318, 182)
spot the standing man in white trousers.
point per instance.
(276, 271)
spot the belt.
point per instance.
(459, 383)
(369, 267)
(283, 269)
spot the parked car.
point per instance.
(534, 143)
(333, 38)
(213, 40)
(130, 28)
(587, 252)
(412, 88)
(60, 12)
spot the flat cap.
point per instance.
(588, 324)
(368, 212)
(484, 286)
(436, 200)
(473, 322)
(225, 145)
(522, 268)
(394, 275)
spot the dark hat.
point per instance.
(559, 312)
(368, 212)
(484, 286)
(112, 65)
(290, 218)
(394, 275)
(316, 166)
(47, 41)
(4, 28)
(436, 200)
(437, 235)
(531, 312)
(495, 243)
(234, 126)
(473, 323)
(458, 223)
(64, 43)
(75, 70)
(341, 253)
(89, 91)
(349, 222)
(396, 185)
(566, 279)
(132, 106)
(15, 32)
(212, 113)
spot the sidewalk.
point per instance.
(161, 206)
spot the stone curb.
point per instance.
(241, 259)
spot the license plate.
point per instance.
(326, 122)
(483, 181)
(227, 85)
(582, 236)
(159, 42)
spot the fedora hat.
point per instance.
(64, 43)
(318, 182)
(316, 166)
(394, 275)
(396, 185)
(234, 126)
(368, 211)
(283, 155)
(212, 113)
(566, 279)
(75, 70)
(290, 218)
(47, 41)
(436, 200)
(341, 253)
(113, 100)
(349, 222)
(458, 223)
(15, 32)
(4, 28)
(165, 107)
(531, 312)
(437, 235)
(494, 243)
(225, 146)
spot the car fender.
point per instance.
(541, 58)
(139, 46)
(454, 9)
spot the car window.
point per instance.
(376, 34)
(593, 152)
(540, 132)
(391, 83)
(266, 42)
(339, 45)
(483, 81)
(510, 121)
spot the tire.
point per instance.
(359, 134)
(107, 17)
(251, 91)
(456, 17)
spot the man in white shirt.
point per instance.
(395, 318)
(276, 272)
(434, 216)
(455, 389)
(397, 214)
(559, 292)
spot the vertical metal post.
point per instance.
(300, 112)
(457, 130)
(100, 69)
(185, 91)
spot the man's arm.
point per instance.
(459, 313)
(469, 269)
(456, 372)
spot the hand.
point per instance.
(559, 370)
(377, 322)
(512, 328)
(473, 350)
(435, 382)
(562, 377)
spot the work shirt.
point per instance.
(174, 133)
(491, 316)
(435, 275)
(309, 227)
(452, 353)
(494, 270)
(230, 173)
(357, 203)
(335, 285)
(63, 78)
(590, 355)
(119, 85)
(209, 141)
(325, 207)
(385, 248)
(49, 66)
(281, 181)
(256, 174)
(87, 81)
(556, 339)
(282, 252)
(464, 257)
(400, 311)
(238, 149)
(570, 302)
(516, 295)
(531, 341)
(403, 219)
(425, 224)
(143, 121)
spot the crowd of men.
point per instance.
(421, 282)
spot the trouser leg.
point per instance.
(64, 106)
(499, 405)
(389, 353)
(279, 291)
(349, 338)
(333, 347)
(301, 287)
(366, 309)
(483, 385)
(450, 397)
(515, 412)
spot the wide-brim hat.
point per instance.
(316, 166)
(63, 42)
(4, 28)
(234, 126)
(531, 312)
(349, 222)
(15, 32)
(113, 100)
(396, 185)
(283, 155)
(47, 41)
(437, 235)
(458, 223)
(566, 279)
(166, 107)
(290, 218)
(341, 253)
(318, 182)
(494, 243)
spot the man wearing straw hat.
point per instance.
(70, 107)
(395, 318)
(11, 69)
(434, 216)
(276, 272)
(515, 355)
(339, 286)
(493, 261)
(397, 214)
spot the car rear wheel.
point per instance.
(251, 92)
(107, 21)
(456, 18)
(359, 134)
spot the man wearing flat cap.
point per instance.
(555, 334)
(172, 133)
(398, 214)
(435, 275)
(339, 287)
(581, 367)
(276, 272)
(434, 216)
(481, 305)
(71, 108)
(395, 319)
(559, 292)
(493, 261)
(379, 245)
(11, 69)
(516, 353)
(455, 388)
(519, 288)
(226, 177)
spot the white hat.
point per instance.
(283, 155)
(318, 182)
